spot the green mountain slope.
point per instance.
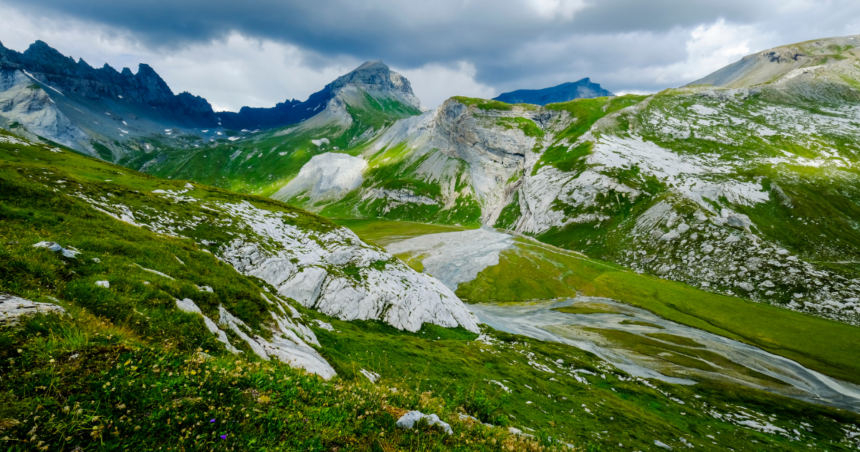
(261, 162)
(749, 191)
(129, 366)
(529, 270)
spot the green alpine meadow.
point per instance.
(676, 267)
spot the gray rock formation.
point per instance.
(324, 177)
(55, 247)
(372, 77)
(411, 418)
(24, 102)
(50, 67)
(14, 310)
(376, 76)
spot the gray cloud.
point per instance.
(624, 44)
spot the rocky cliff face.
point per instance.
(582, 89)
(24, 102)
(462, 158)
(731, 190)
(49, 66)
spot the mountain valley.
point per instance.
(644, 272)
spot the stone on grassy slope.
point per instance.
(13, 310)
(285, 345)
(57, 248)
(411, 418)
(188, 305)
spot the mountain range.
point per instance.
(690, 252)
(96, 110)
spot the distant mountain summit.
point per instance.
(582, 89)
(373, 77)
(772, 65)
(45, 64)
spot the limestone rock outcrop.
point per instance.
(13, 310)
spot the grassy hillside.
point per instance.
(262, 162)
(532, 271)
(127, 369)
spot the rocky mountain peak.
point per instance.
(41, 54)
(373, 77)
(51, 67)
(8, 58)
(374, 74)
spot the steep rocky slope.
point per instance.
(24, 102)
(566, 92)
(748, 191)
(786, 62)
(296, 257)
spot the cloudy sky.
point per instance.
(259, 52)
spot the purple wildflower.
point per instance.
(213, 420)
(223, 436)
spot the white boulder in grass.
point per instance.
(188, 305)
(372, 376)
(409, 420)
(55, 247)
(14, 309)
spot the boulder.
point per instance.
(745, 286)
(409, 420)
(13, 310)
(55, 247)
(736, 220)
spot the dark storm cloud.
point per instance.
(626, 44)
(404, 33)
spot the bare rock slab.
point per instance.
(13, 310)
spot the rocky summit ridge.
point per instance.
(373, 77)
(46, 64)
(117, 115)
